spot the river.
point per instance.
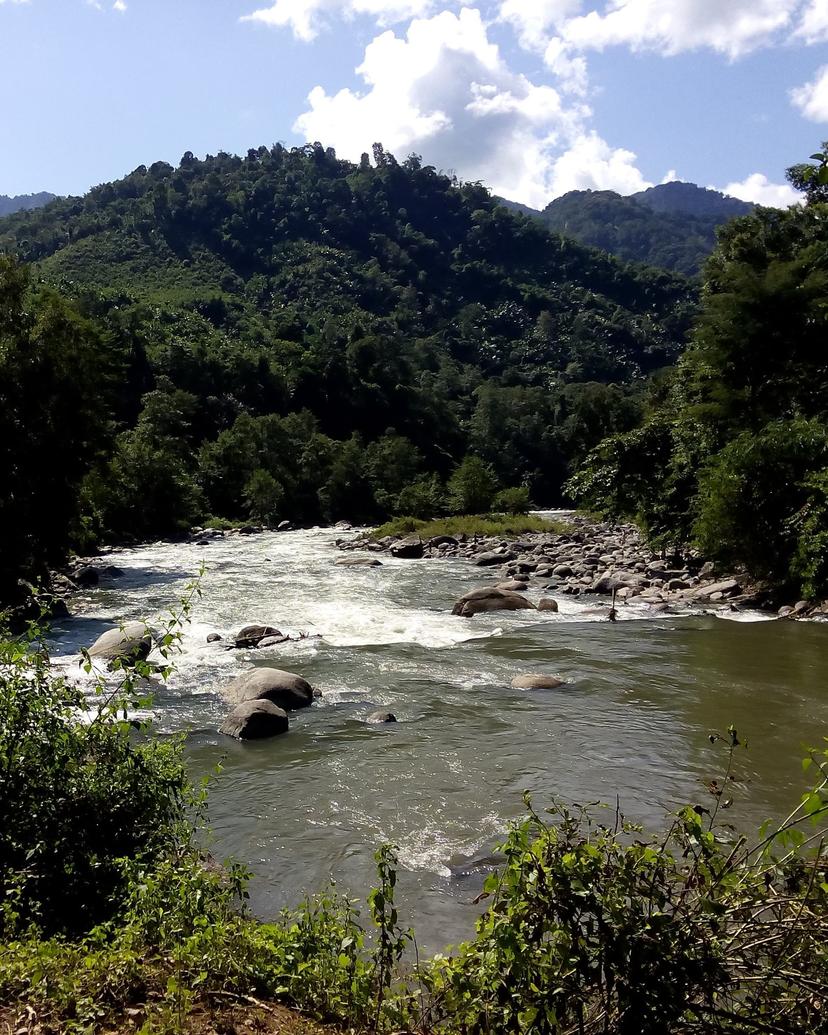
(442, 783)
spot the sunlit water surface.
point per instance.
(442, 783)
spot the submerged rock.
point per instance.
(358, 562)
(213, 638)
(284, 689)
(255, 720)
(537, 681)
(128, 643)
(481, 600)
(382, 717)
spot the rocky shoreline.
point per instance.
(584, 557)
(588, 557)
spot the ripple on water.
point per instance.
(443, 782)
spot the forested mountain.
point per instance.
(289, 335)
(734, 457)
(23, 202)
(672, 225)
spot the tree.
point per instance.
(263, 496)
(472, 487)
(812, 179)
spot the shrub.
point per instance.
(472, 487)
(594, 928)
(513, 501)
(79, 800)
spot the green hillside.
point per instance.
(672, 226)
(289, 335)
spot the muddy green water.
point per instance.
(444, 782)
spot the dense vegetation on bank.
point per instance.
(110, 914)
(289, 335)
(733, 457)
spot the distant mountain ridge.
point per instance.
(672, 225)
(24, 202)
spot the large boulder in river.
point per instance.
(128, 643)
(284, 689)
(512, 586)
(255, 720)
(411, 548)
(490, 599)
(491, 557)
(251, 635)
(548, 604)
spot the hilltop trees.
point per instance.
(735, 458)
(288, 335)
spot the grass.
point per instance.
(507, 526)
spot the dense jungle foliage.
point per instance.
(112, 918)
(734, 456)
(292, 336)
(672, 226)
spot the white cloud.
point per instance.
(119, 6)
(758, 189)
(445, 90)
(306, 18)
(570, 71)
(670, 176)
(591, 164)
(534, 20)
(812, 98)
(813, 26)
(732, 27)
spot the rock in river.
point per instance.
(410, 548)
(536, 681)
(357, 562)
(255, 720)
(284, 689)
(128, 643)
(547, 604)
(252, 635)
(382, 717)
(486, 599)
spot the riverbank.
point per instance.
(580, 556)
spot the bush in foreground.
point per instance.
(591, 927)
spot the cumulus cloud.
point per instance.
(306, 18)
(758, 189)
(534, 20)
(813, 25)
(119, 6)
(445, 90)
(591, 164)
(732, 27)
(571, 71)
(812, 98)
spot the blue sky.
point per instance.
(533, 97)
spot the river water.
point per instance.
(442, 784)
